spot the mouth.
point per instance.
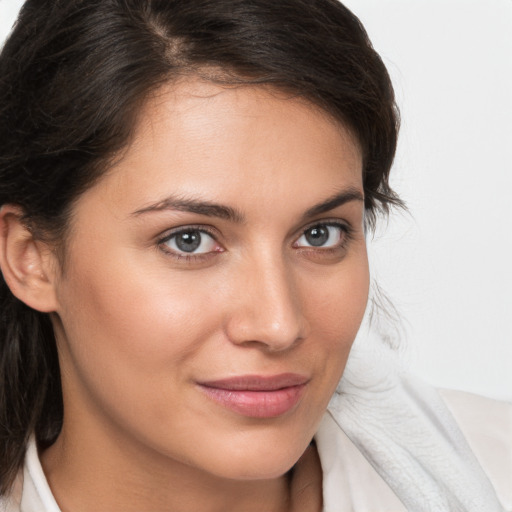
(256, 396)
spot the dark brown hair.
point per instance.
(73, 76)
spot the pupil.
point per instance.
(317, 236)
(189, 241)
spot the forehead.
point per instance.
(235, 145)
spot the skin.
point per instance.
(139, 325)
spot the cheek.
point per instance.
(128, 327)
(334, 310)
(125, 313)
(337, 304)
(132, 337)
(341, 311)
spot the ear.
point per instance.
(28, 265)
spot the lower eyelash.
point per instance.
(188, 258)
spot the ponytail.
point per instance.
(30, 392)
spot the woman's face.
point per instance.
(215, 280)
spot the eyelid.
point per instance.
(169, 233)
(336, 222)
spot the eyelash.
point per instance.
(346, 237)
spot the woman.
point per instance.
(185, 190)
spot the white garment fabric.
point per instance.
(387, 443)
(409, 436)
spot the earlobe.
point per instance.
(27, 264)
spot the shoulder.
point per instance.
(487, 427)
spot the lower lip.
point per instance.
(257, 404)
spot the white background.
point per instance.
(447, 264)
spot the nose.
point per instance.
(267, 309)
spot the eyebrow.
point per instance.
(200, 207)
(210, 209)
(345, 196)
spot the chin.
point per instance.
(259, 458)
(260, 468)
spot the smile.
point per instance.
(256, 396)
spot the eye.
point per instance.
(322, 235)
(191, 241)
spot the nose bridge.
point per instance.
(268, 309)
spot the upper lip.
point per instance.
(257, 382)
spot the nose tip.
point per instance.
(263, 328)
(268, 312)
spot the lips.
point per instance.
(257, 396)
